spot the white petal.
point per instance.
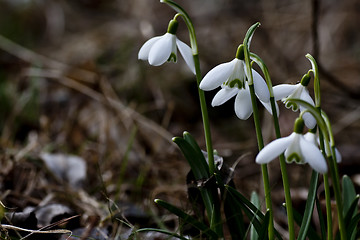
(274, 149)
(161, 50)
(338, 156)
(267, 106)
(261, 89)
(313, 156)
(218, 75)
(294, 148)
(310, 121)
(145, 49)
(223, 95)
(283, 90)
(186, 52)
(243, 107)
(306, 97)
(311, 137)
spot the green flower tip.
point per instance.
(237, 82)
(172, 58)
(313, 130)
(299, 126)
(305, 79)
(308, 55)
(240, 52)
(185, 133)
(173, 25)
(156, 200)
(294, 157)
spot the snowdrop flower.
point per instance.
(299, 91)
(231, 76)
(160, 49)
(311, 137)
(296, 148)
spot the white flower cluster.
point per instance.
(233, 77)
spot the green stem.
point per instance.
(336, 186)
(205, 118)
(288, 202)
(194, 47)
(284, 175)
(214, 210)
(264, 169)
(188, 23)
(331, 155)
(332, 160)
(259, 137)
(328, 207)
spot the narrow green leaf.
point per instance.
(349, 193)
(251, 211)
(200, 169)
(311, 233)
(201, 159)
(309, 207)
(351, 211)
(264, 226)
(195, 160)
(191, 140)
(351, 229)
(256, 201)
(350, 218)
(321, 219)
(234, 217)
(187, 218)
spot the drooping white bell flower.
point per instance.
(296, 148)
(299, 91)
(311, 137)
(231, 76)
(160, 49)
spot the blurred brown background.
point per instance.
(71, 83)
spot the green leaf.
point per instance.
(309, 207)
(351, 229)
(264, 226)
(187, 218)
(201, 159)
(256, 201)
(251, 211)
(311, 233)
(349, 194)
(321, 219)
(195, 159)
(234, 217)
(200, 169)
(351, 218)
(351, 211)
